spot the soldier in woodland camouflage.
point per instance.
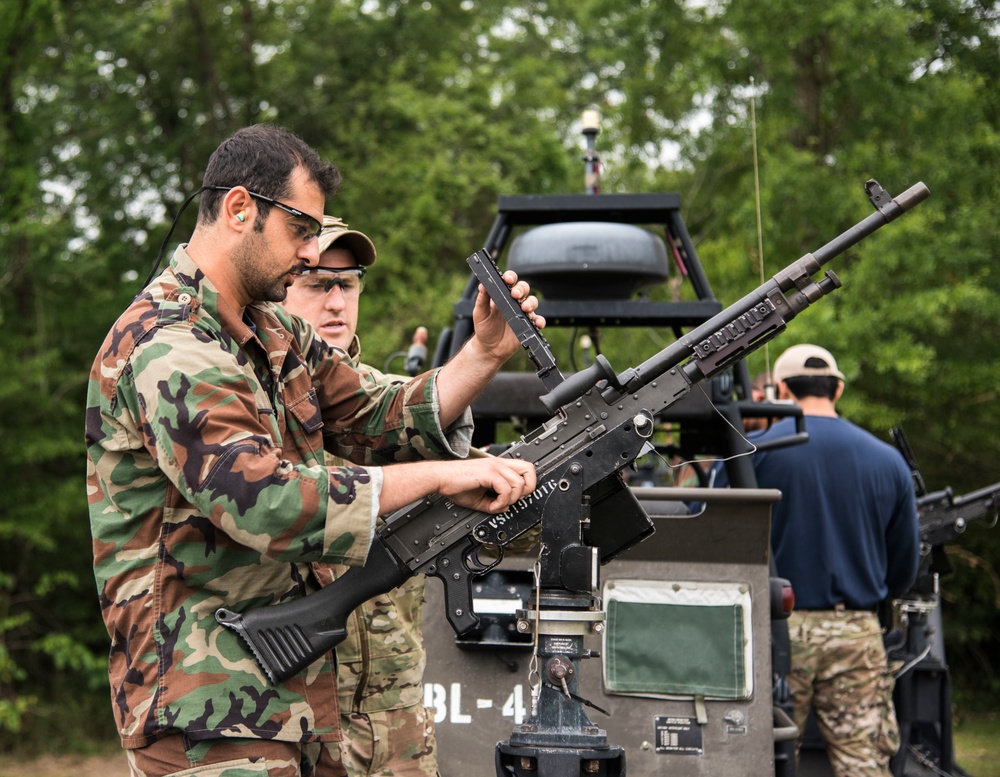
(209, 410)
(380, 666)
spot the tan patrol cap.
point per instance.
(358, 243)
(793, 363)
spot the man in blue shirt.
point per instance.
(845, 534)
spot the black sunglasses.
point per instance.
(306, 234)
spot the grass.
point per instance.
(977, 744)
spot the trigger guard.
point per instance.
(474, 566)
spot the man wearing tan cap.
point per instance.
(387, 730)
(327, 295)
(845, 534)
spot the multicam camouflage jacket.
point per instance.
(381, 663)
(207, 487)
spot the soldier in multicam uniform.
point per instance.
(387, 730)
(208, 411)
(845, 534)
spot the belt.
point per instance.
(838, 607)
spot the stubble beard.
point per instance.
(252, 261)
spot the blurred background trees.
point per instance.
(109, 111)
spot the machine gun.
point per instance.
(922, 692)
(601, 421)
(942, 515)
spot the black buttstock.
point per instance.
(288, 637)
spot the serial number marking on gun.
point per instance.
(501, 519)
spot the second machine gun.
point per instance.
(601, 422)
(942, 515)
(922, 694)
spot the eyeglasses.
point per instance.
(322, 280)
(305, 227)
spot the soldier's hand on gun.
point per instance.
(489, 485)
(492, 332)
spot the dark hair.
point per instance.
(261, 158)
(813, 386)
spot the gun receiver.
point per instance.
(942, 515)
(600, 423)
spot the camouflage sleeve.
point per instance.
(456, 440)
(401, 415)
(213, 436)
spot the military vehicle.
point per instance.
(589, 271)
(591, 263)
(671, 589)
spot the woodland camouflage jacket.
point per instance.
(208, 488)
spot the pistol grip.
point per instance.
(450, 569)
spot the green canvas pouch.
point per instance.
(677, 639)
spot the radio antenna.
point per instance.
(769, 387)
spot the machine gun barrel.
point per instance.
(595, 432)
(725, 326)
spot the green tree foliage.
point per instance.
(895, 91)
(109, 111)
(47, 608)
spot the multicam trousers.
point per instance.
(178, 756)
(840, 669)
(393, 743)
